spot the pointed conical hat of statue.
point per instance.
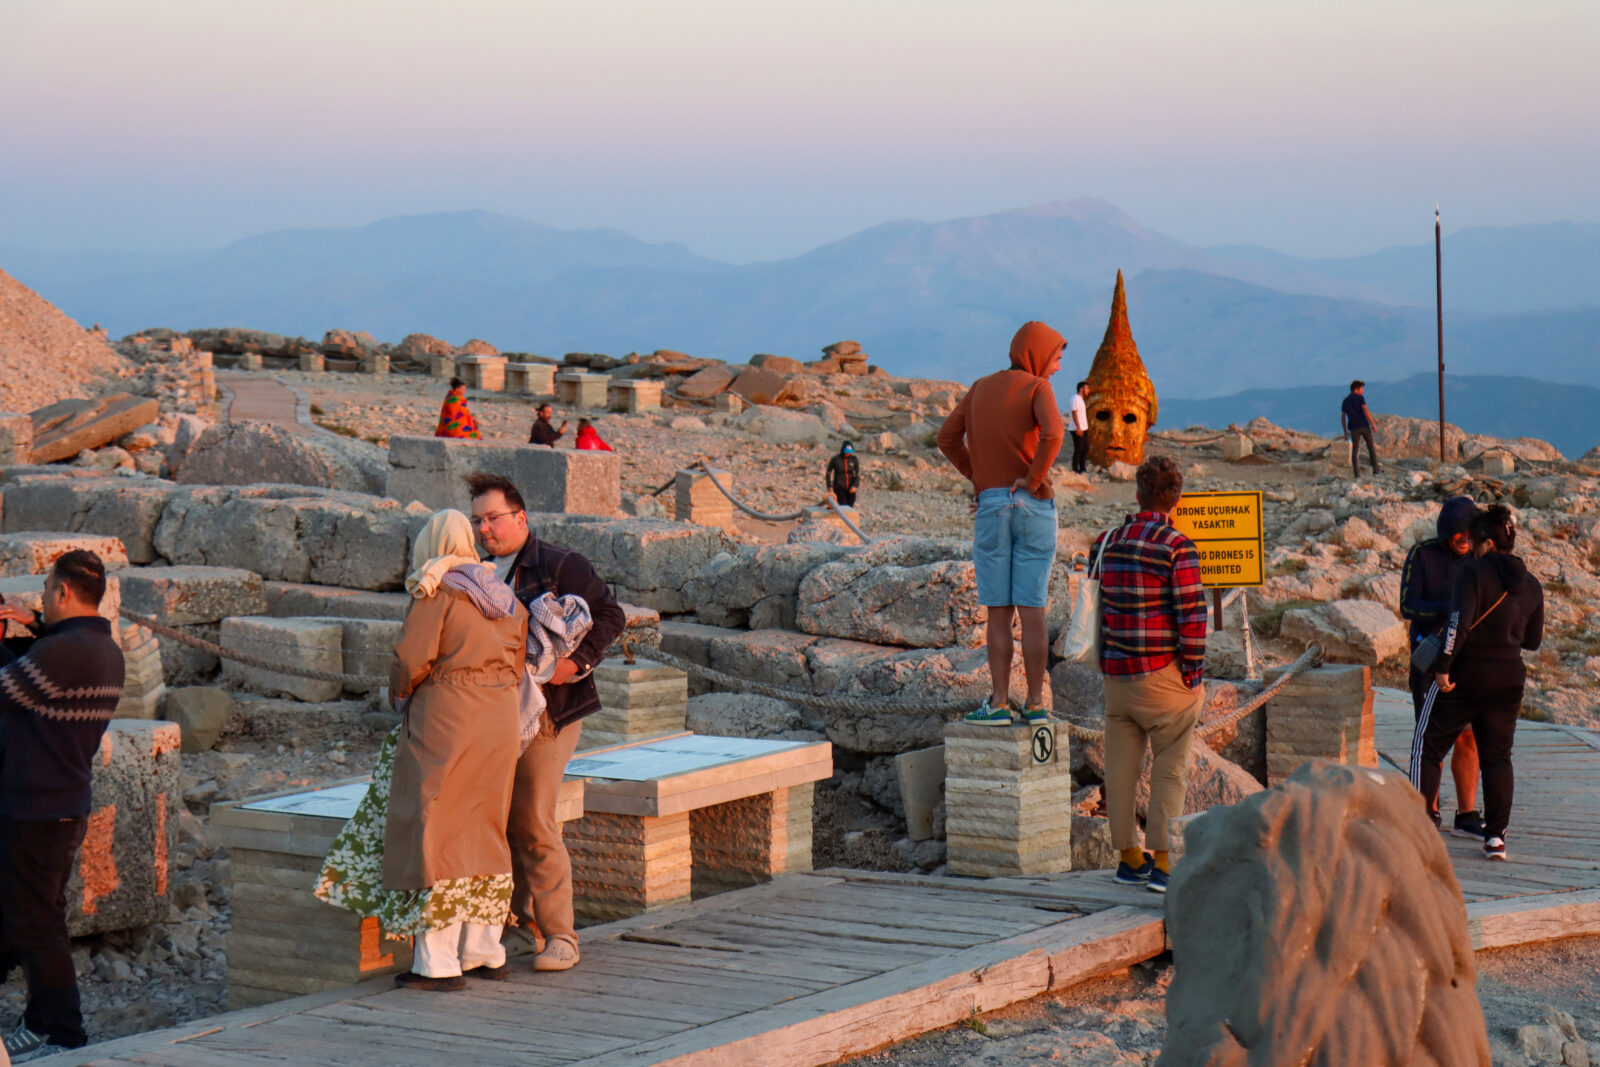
(1122, 398)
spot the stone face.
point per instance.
(36, 553)
(433, 470)
(1349, 631)
(254, 453)
(186, 596)
(200, 712)
(1387, 955)
(887, 594)
(67, 427)
(757, 587)
(648, 561)
(299, 642)
(119, 880)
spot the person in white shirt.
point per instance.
(1078, 423)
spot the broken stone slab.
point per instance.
(299, 642)
(647, 561)
(201, 712)
(433, 470)
(761, 385)
(285, 599)
(189, 596)
(780, 426)
(121, 507)
(259, 453)
(1349, 631)
(290, 534)
(119, 879)
(931, 605)
(920, 776)
(63, 429)
(16, 438)
(706, 382)
(751, 715)
(368, 648)
(36, 553)
(758, 586)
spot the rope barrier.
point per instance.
(834, 504)
(350, 681)
(705, 469)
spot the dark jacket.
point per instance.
(844, 472)
(545, 568)
(1516, 625)
(57, 693)
(1430, 571)
(543, 433)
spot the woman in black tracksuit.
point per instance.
(1496, 612)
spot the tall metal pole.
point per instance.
(1438, 282)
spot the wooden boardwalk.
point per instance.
(812, 968)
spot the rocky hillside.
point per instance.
(44, 355)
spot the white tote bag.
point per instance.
(1082, 644)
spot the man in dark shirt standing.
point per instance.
(58, 690)
(544, 433)
(1355, 422)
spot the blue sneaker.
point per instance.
(1158, 880)
(1036, 715)
(1135, 876)
(988, 716)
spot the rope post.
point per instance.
(699, 499)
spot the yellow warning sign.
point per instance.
(1226, 531)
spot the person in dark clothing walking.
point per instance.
(543, 433)
(541, 898)
(58, 690)
(1496, 613)
(1356, 423)
(844, 475)
(1425, 583)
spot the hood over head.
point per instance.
(1454, 516)
(1508, 568)
(1034, 346)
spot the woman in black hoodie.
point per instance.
(1496, 612)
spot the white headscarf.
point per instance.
(444, 543)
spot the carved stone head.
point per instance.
(1122, 399)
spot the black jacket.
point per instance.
(1425, 583)
(543, 433)
(844, 473)
(57, 694)
(1516, 625)
(545, 568)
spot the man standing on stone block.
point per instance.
(1003, 436)
(58, 690)
(541, 901)
(1153, 648)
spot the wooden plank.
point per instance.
(947, 920)
(1530, 919)
(522, 1032)
(856, 932)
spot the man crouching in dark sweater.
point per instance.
(58, 690)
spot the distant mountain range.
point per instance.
(924, 299)
(1564, 415)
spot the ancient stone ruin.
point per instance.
(1122, 398)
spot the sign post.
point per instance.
(1226, 531)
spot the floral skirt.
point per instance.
(352, 873)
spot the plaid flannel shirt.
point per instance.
(1155, 606)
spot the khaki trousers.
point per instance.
(541, 896)
(1159, 709)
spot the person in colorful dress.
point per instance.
(455, 420)
(426, 852)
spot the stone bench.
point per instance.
(284, 942)
(119, 879)
(576, 390)
(633, 395)
(482, 372)
(531, 379)
(687, 814)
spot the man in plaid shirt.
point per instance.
(1153, 635)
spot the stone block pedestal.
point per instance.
(143, 684)
(702, 503)
(572, 481)
(530, 379)
(249, 361)
(16, 438)
(483, 372)
(313, 363)
(626, 864)
(442, 367)
(1339, 456)
(638, 701)
(634, 396)
(728, 403)
(1008, 799)
(753, 840)
(306, 643)
(1237, 446)
(1326, 713)
(576, 390)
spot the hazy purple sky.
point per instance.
(750, 129)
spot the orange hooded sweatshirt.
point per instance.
(1008, 426)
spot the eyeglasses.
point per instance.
(490, 519)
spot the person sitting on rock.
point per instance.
(844, 475)
(543, 433)
(589, 438)
(455, 420)
(1153, 649)
(58, 691)
(1003, 436)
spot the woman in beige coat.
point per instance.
(440, 812)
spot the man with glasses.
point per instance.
(541, 900)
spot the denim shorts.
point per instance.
(1013, 548)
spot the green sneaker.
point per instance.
(1036, 715)
(988, 716)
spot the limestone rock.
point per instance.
(748, 715)
(706, 382)
(119, 879)
(1119, 471)
(253, 453)
(1350, 631)
(1387, 957)
(302, 643)
(475, 347)
(1091, 844)
(287, 599)
(779, 426)
(647, 561)
(777, 364)
(342, 344)
(818, 532)
(200, 712)
(36, 553)
(186, 596)
(67, 427)
(433, 470)
(759, 385)
(758, 586)
(893, 594)
(420, 348)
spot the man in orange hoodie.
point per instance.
(1003, 437)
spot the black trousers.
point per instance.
(35, 861)
(1356, 437)
(845, 497)
(1488, 698)
(1080, 451)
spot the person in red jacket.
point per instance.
(589, 438)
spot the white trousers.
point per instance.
(449, 950)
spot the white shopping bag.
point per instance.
(1082, 644)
